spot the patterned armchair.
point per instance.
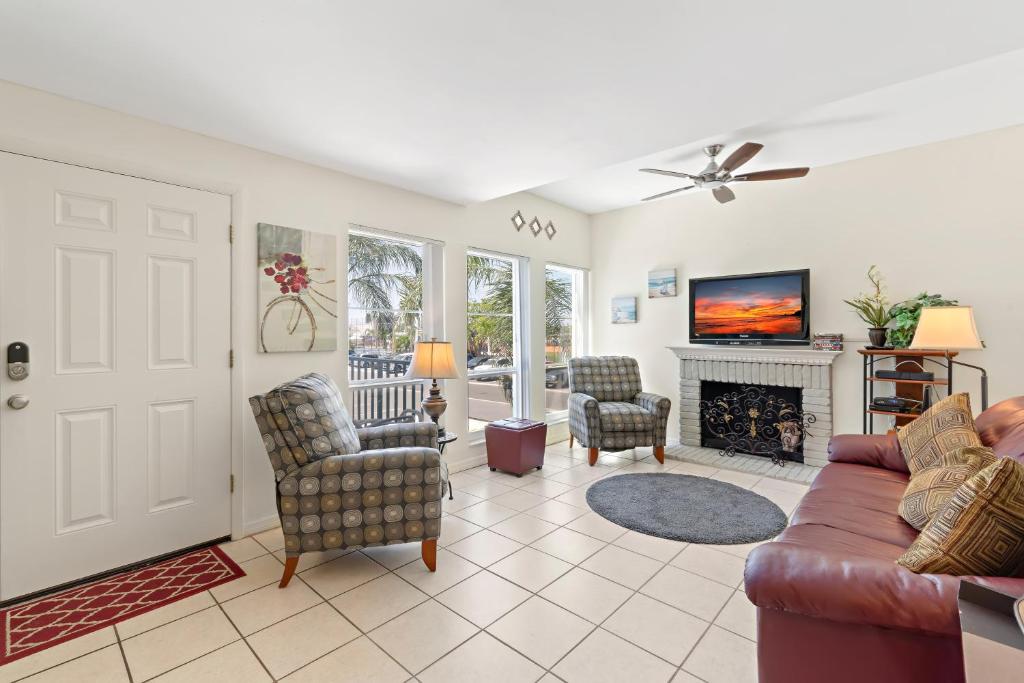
(342, 487)
(608, 409)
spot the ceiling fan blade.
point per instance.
(674, 174)
(723, 194)
(665, 194)
(742, 155)
(774, 174)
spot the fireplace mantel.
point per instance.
(756, 354)
(808, 370)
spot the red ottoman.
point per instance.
(515, 445)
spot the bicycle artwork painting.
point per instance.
(298, 291)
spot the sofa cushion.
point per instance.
(843, 511)
(617, 416)
(931, 487)
(945, 426)
(980, 530)
(1002, 428)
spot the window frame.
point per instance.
(520, 368)
(580, 324)
(432, 308)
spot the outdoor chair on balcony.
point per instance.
(342, 487)
(608, 409)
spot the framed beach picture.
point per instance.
(623, 310)
(661, 283)
(297, 290)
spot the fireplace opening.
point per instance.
(753, 419)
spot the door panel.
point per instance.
(121, 288)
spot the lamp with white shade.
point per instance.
(434, 360)
(951, 327)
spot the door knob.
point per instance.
(18, 401)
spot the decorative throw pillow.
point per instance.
(945, 426)
(317, 415)
(931, 487)
(980, 529)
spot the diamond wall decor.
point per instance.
(535, 226)
(550, 230)
(518, 220)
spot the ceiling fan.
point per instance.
(717, 177)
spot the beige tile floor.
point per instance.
(530, 585)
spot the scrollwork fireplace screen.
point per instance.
(766, 421)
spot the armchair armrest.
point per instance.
(371, 497)
(585, 419)
(399, 435)
(660, 406)
(874, 450)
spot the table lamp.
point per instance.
(434, 360)
(951, 327)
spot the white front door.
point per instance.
(120, 287)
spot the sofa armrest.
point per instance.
(851, 589)
(660, 406)
(585, 419)
(874, 450)
(398, 435)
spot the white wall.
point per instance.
(944, 217)
(272, 189)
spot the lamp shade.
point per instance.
(946, 327)
(433, 360)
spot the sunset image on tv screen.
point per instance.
(762, 305)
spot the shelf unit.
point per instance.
(904, 388)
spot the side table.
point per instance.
(443, 441)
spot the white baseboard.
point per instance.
(255, 526)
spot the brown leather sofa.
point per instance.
(832, 604)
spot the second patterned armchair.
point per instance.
(342, 487)
(608, 409)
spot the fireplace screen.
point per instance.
(766, 421)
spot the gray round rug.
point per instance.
(686, 508)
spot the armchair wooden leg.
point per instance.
(570, 439)
(430, 554)
(659, 453)
(289, 570)
(592, 453)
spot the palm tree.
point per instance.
(378, 275)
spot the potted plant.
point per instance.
(906, 314)
(873, 308)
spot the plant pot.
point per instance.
(877, 336)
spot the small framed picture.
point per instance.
(661, 283)
(623, 310)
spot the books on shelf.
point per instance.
(827, 341)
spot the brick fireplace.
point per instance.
(809, 372)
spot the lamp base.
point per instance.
(434, 405)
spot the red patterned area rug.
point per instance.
(33, 626)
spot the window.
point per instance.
(564, 333)
(494, 364)
(387, 276)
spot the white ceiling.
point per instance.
(473, 99)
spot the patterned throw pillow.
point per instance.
(979, 531)
(945, 426)
(313, 406)
(931, 487)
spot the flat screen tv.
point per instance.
(761, 308)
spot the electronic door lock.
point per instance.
(17, 360)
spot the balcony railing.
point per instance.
(389, 399)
